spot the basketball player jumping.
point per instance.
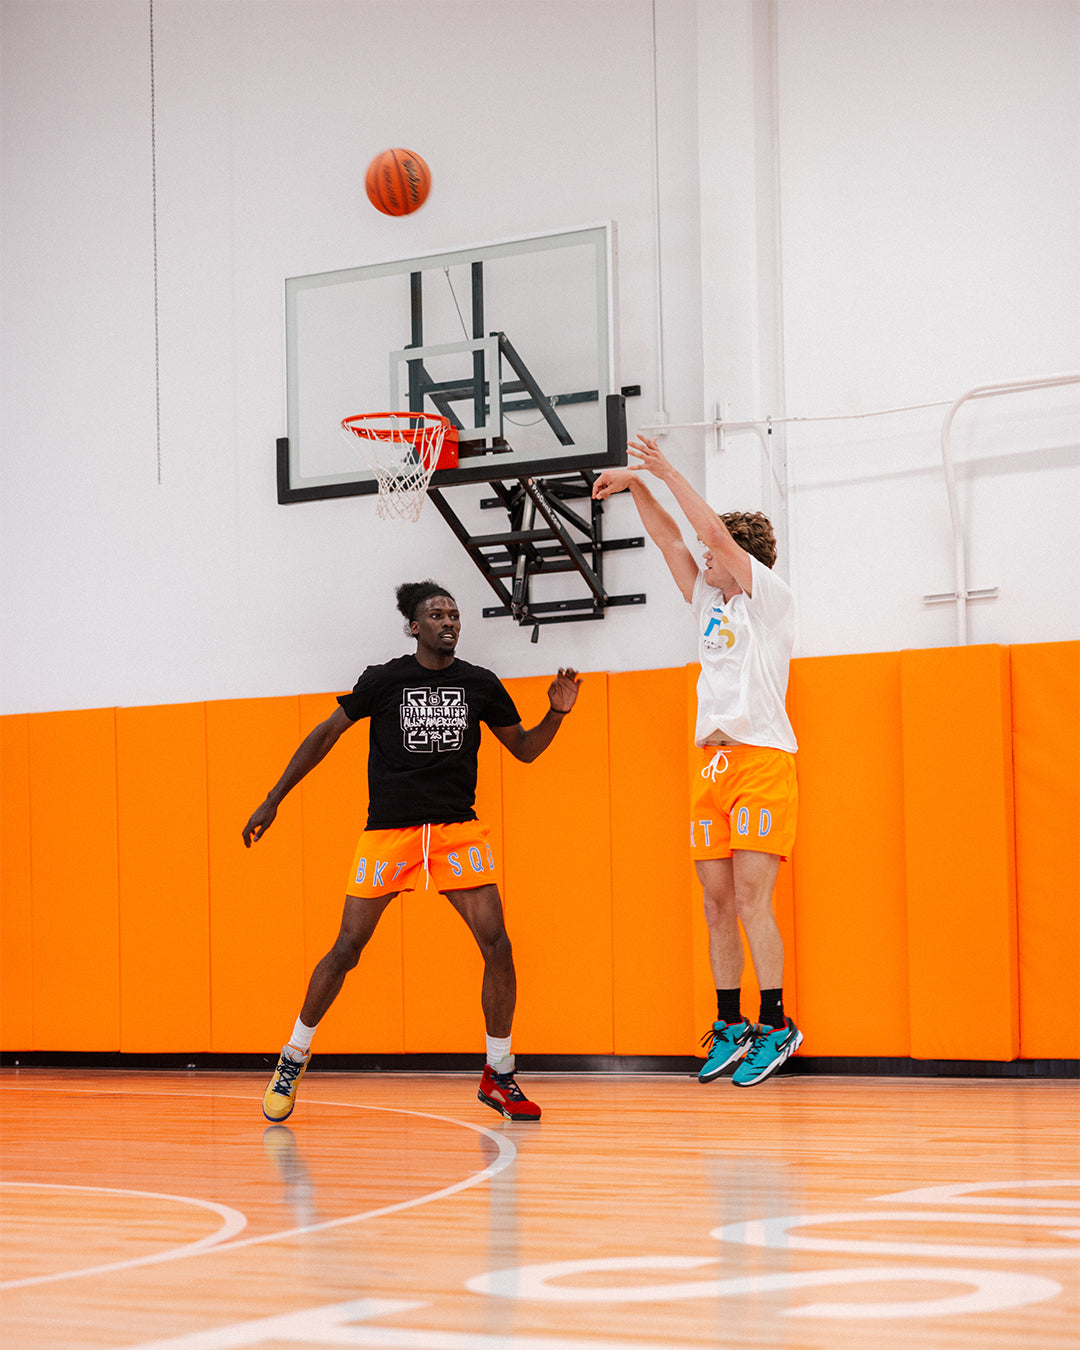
(426, 710)
(745, 799)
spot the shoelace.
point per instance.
(760, 1046)
(288, 1069)
(710, 1038)
(710, 770)
(512, 1090)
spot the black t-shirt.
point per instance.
(425, 734)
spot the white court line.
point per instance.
(219, 1243)
(234, 1222)
(963, 1193)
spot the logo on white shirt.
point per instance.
(719, 624)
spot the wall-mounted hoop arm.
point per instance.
(562, 540)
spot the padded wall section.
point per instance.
(556, 814)
(163, 877)
(332, 801)
(256, 912)
(1046, 741)
(16, 964)
(133, 917)
(653, 911)
(849, 858)
(701, 972)
(74, 901)
(961, 878)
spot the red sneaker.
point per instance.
(499, 1091)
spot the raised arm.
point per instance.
(312, 749)
(661, 527)
(710, 529)
(526, 745)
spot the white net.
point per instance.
(402, 450)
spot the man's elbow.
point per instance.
(525, 750)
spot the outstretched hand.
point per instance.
(613, 480)
(648, 452)
(652, 460)
(563, 690)
(259, 823)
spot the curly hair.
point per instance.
(753, 532)
(412, 594)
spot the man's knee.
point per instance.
(753, 904)
(495, 948)
(345, 952)
(719, 906)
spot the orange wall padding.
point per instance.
(956, 719)
(163, 878)
(655, 902)
(850, 944)
(929, 908)
(16, 884)
(556, 824)
(1046, 759)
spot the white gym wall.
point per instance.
(861, 206)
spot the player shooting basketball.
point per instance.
(426, 710)
(745, 799)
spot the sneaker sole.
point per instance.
(276, 1120)
(780, 1060)
(502, 1109)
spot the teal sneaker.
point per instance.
(770, 1048)
(727, 1042)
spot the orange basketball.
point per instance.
(398, 182)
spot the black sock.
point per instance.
(727, 1005)
(772, 1008)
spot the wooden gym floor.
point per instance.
(644, 1212)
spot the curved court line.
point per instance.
(507, 1154)
(962, 1193)
(992, 1290)
(234, 1222)
(776, 1233)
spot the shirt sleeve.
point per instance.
(771, 594)
(357, 703)
(499, 710)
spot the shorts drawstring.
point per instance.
(710, 770)
(425, 844)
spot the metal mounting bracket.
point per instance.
(545, 535)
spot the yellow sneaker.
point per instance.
(280, 1096)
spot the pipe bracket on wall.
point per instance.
(951, 597)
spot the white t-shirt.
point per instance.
(744, 645)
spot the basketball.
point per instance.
(398, 182)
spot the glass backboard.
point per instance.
(514, 341)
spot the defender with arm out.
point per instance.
(426, 712)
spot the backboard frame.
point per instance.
(490, 352)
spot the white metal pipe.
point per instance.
(961, 594)
(959, 556)
(658, 244)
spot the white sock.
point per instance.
(498, 1054)
(301, 1038)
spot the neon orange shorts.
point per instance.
(746, 796)
(459, 858)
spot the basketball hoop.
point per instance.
(403, 450)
